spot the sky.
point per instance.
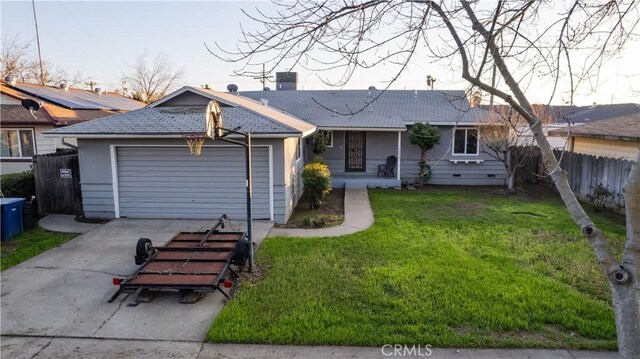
(102, 39)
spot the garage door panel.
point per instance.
(167, 182)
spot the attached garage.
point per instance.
(167, 182)
(138, 165)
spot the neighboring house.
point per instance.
(367, 126)
(22, 133)
(137, 165)
(617, 137)
(560, 117)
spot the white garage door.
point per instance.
(167, 182)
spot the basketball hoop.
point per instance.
(195, 142)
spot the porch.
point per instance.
(354, 156)
(367, 181)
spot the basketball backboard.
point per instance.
(213, 120)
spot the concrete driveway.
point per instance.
(64, 292)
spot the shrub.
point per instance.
(317, 183)
(320, 160)
(320, 142)
(600, 195)
(18, 185)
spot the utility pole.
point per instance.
(35, 20)
(90, 84)
(263, 78)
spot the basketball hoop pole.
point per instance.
(248, 183)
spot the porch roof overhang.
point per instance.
(369, 129)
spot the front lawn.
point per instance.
(446, 267)
(29, 244)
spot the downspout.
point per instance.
(68, 144)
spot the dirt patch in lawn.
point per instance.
(331, 213)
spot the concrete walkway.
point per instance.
(357, 217)
(66, 223)
(65, 347)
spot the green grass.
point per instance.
(29, 244)
(450, 268)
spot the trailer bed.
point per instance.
(190, 261)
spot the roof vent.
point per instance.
(206, 87)
(594, 105)
(98, 90)
(264, 101)
(64, 86)
(372, 88)
(11, 80)
(233, 88)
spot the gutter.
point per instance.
(152, 136)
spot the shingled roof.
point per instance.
(624, 128)
(173, 120)
(373, 109)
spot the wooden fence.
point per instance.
(586, 173)
(57, 178)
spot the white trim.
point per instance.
(299, 151)
(466, 161)
(114, 172)
(365, 129)
(453, 141)
(399, 152)
(271, 206)
(114, 179)
(33, 142)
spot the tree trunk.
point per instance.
(510, 180)
(423, 163)
(623, 279)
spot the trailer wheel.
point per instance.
(242, 252)
(144, 248)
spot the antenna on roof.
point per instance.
(32, 106)
(430, 81)
(263, 78)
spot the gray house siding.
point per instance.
(444, 170)
(97, 184)
(448, 169)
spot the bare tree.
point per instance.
(150, 80)
(501, 48)
(506, 137)
(16, 59)
(19, 61)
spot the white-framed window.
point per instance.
(298, 149)
(17, 143)
(466, 142)
(330, 133)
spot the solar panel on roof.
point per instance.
(81, 99)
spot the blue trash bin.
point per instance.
(11, 217)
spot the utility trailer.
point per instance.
(192, 263)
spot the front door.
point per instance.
(355, 151)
